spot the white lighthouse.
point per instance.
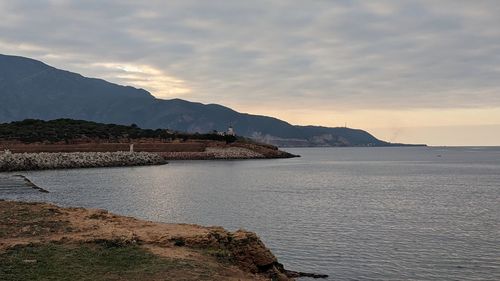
(230, 131)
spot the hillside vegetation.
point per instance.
(64, 130)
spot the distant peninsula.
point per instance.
(30, 89)
(66, 143)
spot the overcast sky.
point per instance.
(408, 71)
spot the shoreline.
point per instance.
(39, 159)
(200, 253)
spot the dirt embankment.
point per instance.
(34, 235)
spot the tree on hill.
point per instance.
(34, 130)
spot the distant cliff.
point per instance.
(32, 89)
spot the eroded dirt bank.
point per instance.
(73, 242)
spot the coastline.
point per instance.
(46, 157)
(33, 234)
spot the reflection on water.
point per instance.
(353, 213)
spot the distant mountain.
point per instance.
(32, 89)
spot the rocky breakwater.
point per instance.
(237, 150)
(213, 153)
(43, 161)
(36, 234)
(267, 151)
(233, 153)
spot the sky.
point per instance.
(404, 70)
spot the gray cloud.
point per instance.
(321, 54)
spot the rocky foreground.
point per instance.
(40, 241)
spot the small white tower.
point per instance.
(230, 131)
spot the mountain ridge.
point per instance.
(32, 89)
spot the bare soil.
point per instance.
(40, 241)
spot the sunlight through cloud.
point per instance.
(147, 77)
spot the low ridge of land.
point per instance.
(79, 143)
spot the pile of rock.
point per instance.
(233, 153)
(43, 161)
(213, 153)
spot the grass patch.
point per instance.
(88, 262)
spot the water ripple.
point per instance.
(356, 214)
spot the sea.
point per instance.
(388, 213)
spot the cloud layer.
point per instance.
(317, 55)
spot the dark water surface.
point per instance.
(353, 213)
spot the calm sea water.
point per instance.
(354, 213)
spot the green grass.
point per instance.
(87, 262)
